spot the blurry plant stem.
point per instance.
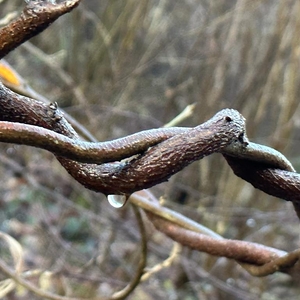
(165, 264)
(142, 263)
(186, 113)
(29, 286)
(142, 198)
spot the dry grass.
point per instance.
(123, 66)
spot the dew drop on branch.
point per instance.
(117, 201)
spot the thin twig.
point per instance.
(164, 264)
(142, 263)
(29, 286)
(186, 113)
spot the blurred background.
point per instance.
(119, 67)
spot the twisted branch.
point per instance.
(161, 152)
(149, 157)
(153, 156)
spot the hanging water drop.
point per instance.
(117, 201)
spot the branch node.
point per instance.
(53, 112)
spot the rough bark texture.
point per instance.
(172, 150)
(276, 182)
(36, 17)
(150, 168)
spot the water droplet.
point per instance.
(251, 223)
(117, 201)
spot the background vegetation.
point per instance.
(122, 66)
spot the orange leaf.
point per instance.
(7, 74)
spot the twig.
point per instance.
(165, 264)
(142, 263)
(29, 286)
(36, 17)
(186, 113)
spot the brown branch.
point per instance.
(152, 167)
(81, 151)
(177, 148)
(257, 259)
(36, 17)
(279, 183)
(18, 84)
(161, 154)
(163, 159)
(239, 250)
